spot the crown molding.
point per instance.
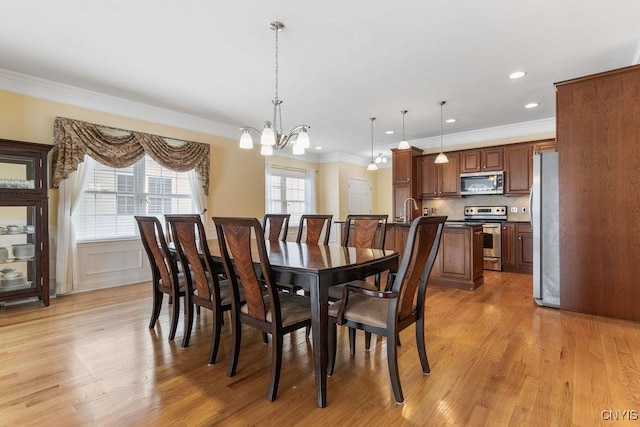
(515, 132)
(11, 81)
(57, 92)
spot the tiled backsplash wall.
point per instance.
(454, 208)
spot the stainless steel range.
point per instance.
(490, 217)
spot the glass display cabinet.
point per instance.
(24, 228)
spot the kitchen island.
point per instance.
(459, 262)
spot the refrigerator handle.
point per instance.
(531, 206)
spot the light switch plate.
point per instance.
(514, 209)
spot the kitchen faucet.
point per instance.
(404, 207)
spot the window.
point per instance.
(290, 191)
(113, 196)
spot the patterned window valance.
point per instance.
(120, 148)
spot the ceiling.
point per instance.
(340, 62)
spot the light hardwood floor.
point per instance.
(496, 359)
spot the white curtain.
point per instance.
(310, 193)
(69, 194)
(197, 194)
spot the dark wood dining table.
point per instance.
(316, 268)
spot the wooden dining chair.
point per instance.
(204, 286)
(361, 230)
(311, 226)
(267, 308)
(391, 311)
(165, 277)
(276, 226)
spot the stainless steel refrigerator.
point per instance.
(544, 211)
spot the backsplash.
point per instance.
(454, 208)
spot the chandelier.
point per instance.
(272, 138)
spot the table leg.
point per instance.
(319, 318)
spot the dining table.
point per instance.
(315, 268)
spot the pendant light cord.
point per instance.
(441, 104)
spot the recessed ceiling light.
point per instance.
(517, 75)
(451, 120)
(318, 148)
(531, 105)
(389, 132)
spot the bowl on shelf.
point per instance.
(14, 229)
(19, 280)
(24, 251)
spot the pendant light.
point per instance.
(372, 166)
(403, 145)
(442, 158)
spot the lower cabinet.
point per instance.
(517, 247)
(459, 262)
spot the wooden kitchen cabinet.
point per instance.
(439, 180)
(518, 169)
(486, 159)
(598, 133)
(546, 144)
(24, 228)
(406, 176)
(517, 247)
(459, 261)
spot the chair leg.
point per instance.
(307, 332)
(352, 341)
(175, 315)
(276, 363)
(331, 341)
(367, 340)
(265, 338)
(236, 336)
(188, 321)
(215, 339)
(392, 361)
(422, 351)
(155, 310)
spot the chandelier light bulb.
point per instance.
(303, 139)
(246, 142)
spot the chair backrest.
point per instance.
(276, 226)
(191, 250)
(163, 265)
(237, 250)
(364, 229)
(419, 255)
(314, 224)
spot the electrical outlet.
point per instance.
(514, 209)
(524, 209)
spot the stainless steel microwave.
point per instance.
(476, 183)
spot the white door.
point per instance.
(359, 196)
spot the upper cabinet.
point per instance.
(486, 159)
(439, 180)
(406, 178)
(518, 169)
